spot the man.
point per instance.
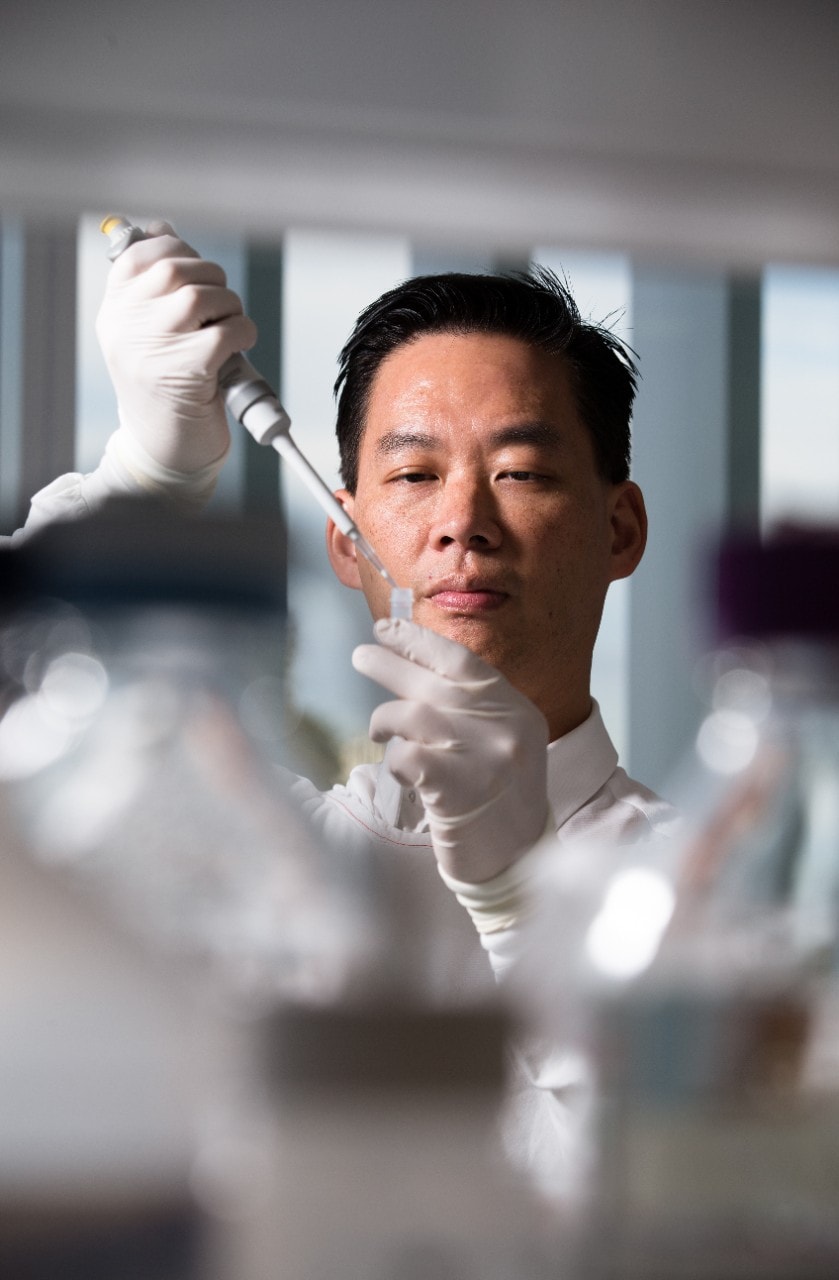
(484, 436)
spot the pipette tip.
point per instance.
(369, 554)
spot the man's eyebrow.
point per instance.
(533, 433)
(393, 441)
(536, 433)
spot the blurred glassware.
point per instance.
(693, 1004)
(296, 1081)
(159, 893)
(143, 739)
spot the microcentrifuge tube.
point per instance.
(401, 603)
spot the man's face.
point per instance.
(477, 486)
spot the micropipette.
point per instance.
(254, 404)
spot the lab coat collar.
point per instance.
(579, 764)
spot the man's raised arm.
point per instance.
(166, 326)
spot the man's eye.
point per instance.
(521, 475)
(414, 477)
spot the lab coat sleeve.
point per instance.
(74, 496)
(498, 907)
(545, 1123)
(126, 470)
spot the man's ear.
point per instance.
(628, 519)
(341, 549)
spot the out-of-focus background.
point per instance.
(679, 162)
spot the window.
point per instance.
(800, 395)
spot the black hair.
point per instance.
(535, 307)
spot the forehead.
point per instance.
(476, 376)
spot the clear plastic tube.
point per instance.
(401, 603)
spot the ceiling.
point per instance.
(703, 129)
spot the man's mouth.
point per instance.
(459, 596)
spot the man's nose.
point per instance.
(466, 515)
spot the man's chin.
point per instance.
(483, 636)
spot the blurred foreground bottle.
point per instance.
(697, 983)
(140, 749)
(216, 1066)
(157, 891)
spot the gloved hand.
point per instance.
(166, 325)
(471, 745)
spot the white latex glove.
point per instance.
(472, 746)
(166, 325)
